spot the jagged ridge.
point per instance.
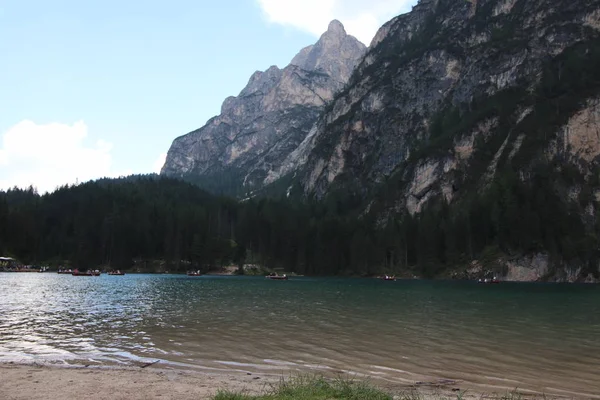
(234, 152)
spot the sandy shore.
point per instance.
(37, 382)
(45, 382)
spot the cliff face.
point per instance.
(446, 80)
(256, 130)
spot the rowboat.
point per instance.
(64, 271)
(76, 272)
(117, 272)
(277, 277)
(194, 273)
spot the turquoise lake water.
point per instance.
(536, 337)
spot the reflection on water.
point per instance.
(534, 337)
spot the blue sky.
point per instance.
(101, 88)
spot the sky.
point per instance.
(98, 88)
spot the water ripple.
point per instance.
(535, 337)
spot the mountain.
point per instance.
(465, 143)
(235, 151)
(480, 117)
(449, 78)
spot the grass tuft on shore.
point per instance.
(313, 388)
(317, 387)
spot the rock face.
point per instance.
(416, 105)
(535, 267)
(235, 151)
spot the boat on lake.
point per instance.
(76, 272)
(388, 277)
(65, 271)
(117, 272)
(276, 277)
(9, 264)
(194, 273)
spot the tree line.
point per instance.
(122, 223)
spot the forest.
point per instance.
(151, 223)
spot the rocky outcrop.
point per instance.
(235, 151)
(527, 269)
(536, 267)
(582, 132)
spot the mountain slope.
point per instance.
(444, 81)
(470, 132)
(256, 130)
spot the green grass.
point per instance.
(313, 388)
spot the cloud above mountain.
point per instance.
(361, 18)
(50, 155)
(158, 164)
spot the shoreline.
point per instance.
(231, 273)
(41, 381)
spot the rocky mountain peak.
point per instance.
(335, 53)
(336, 27)
(271, 116)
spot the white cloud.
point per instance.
(51, 155)
(361, 18)
(160, 161)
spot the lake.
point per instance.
(537, 337)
